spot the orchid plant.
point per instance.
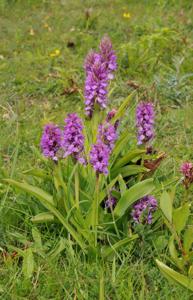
(99, 181)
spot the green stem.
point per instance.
(77, 184)
(96, 209)
(140, 175)
(114, 222)
(186, 195)
(112, 212)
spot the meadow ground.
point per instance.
(43, 46)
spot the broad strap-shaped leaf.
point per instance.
(175, 276)
(128, 170)
(122, 185)
(47, 203)
(128, 157)
(123, 107)
(166, 205)
(174, 254)
(180, 217)
(65, 223)
(107, 251)
(32, 190)
(188, 238)
(119, 146)
(133, 194)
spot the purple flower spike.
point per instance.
(95, 87)
(142, 210)
(145, 122)
(187, 170)
(90, 60)
(73, 138)
(108, 56)
(99, 68)
(108, 135)
(51, 141)
(99, 157)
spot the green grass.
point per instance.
(154, 48)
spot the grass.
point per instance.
(43, 46)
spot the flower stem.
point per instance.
(186, 195)
(76, 178)
(96, 208)
(140, 175)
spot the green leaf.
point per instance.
(128, 157)
(45, 200)
(128, 170)
(43, 217)
(34, 191)
(188, 238)
(120, 144)
(65, 223)
(37, 173)
(166, 205)
(180, 217)
(172, 248)
(133, 194)
(124, 106)
(61, 245)
(175, 276)
(174, 254)
(107, 251)
(122, 185)
(28, 263)
(104, 193)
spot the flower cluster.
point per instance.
(96, 87)
(142, 210)
(106, 138)
(99, 157)
(91, 59)
(145, 122)
(187, 171)
(99, 68)
(51, 141)
(110, 202)
(107, 134)
(73, 138)
(108, 56)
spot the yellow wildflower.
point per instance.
(55, 53)
(126, 15)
